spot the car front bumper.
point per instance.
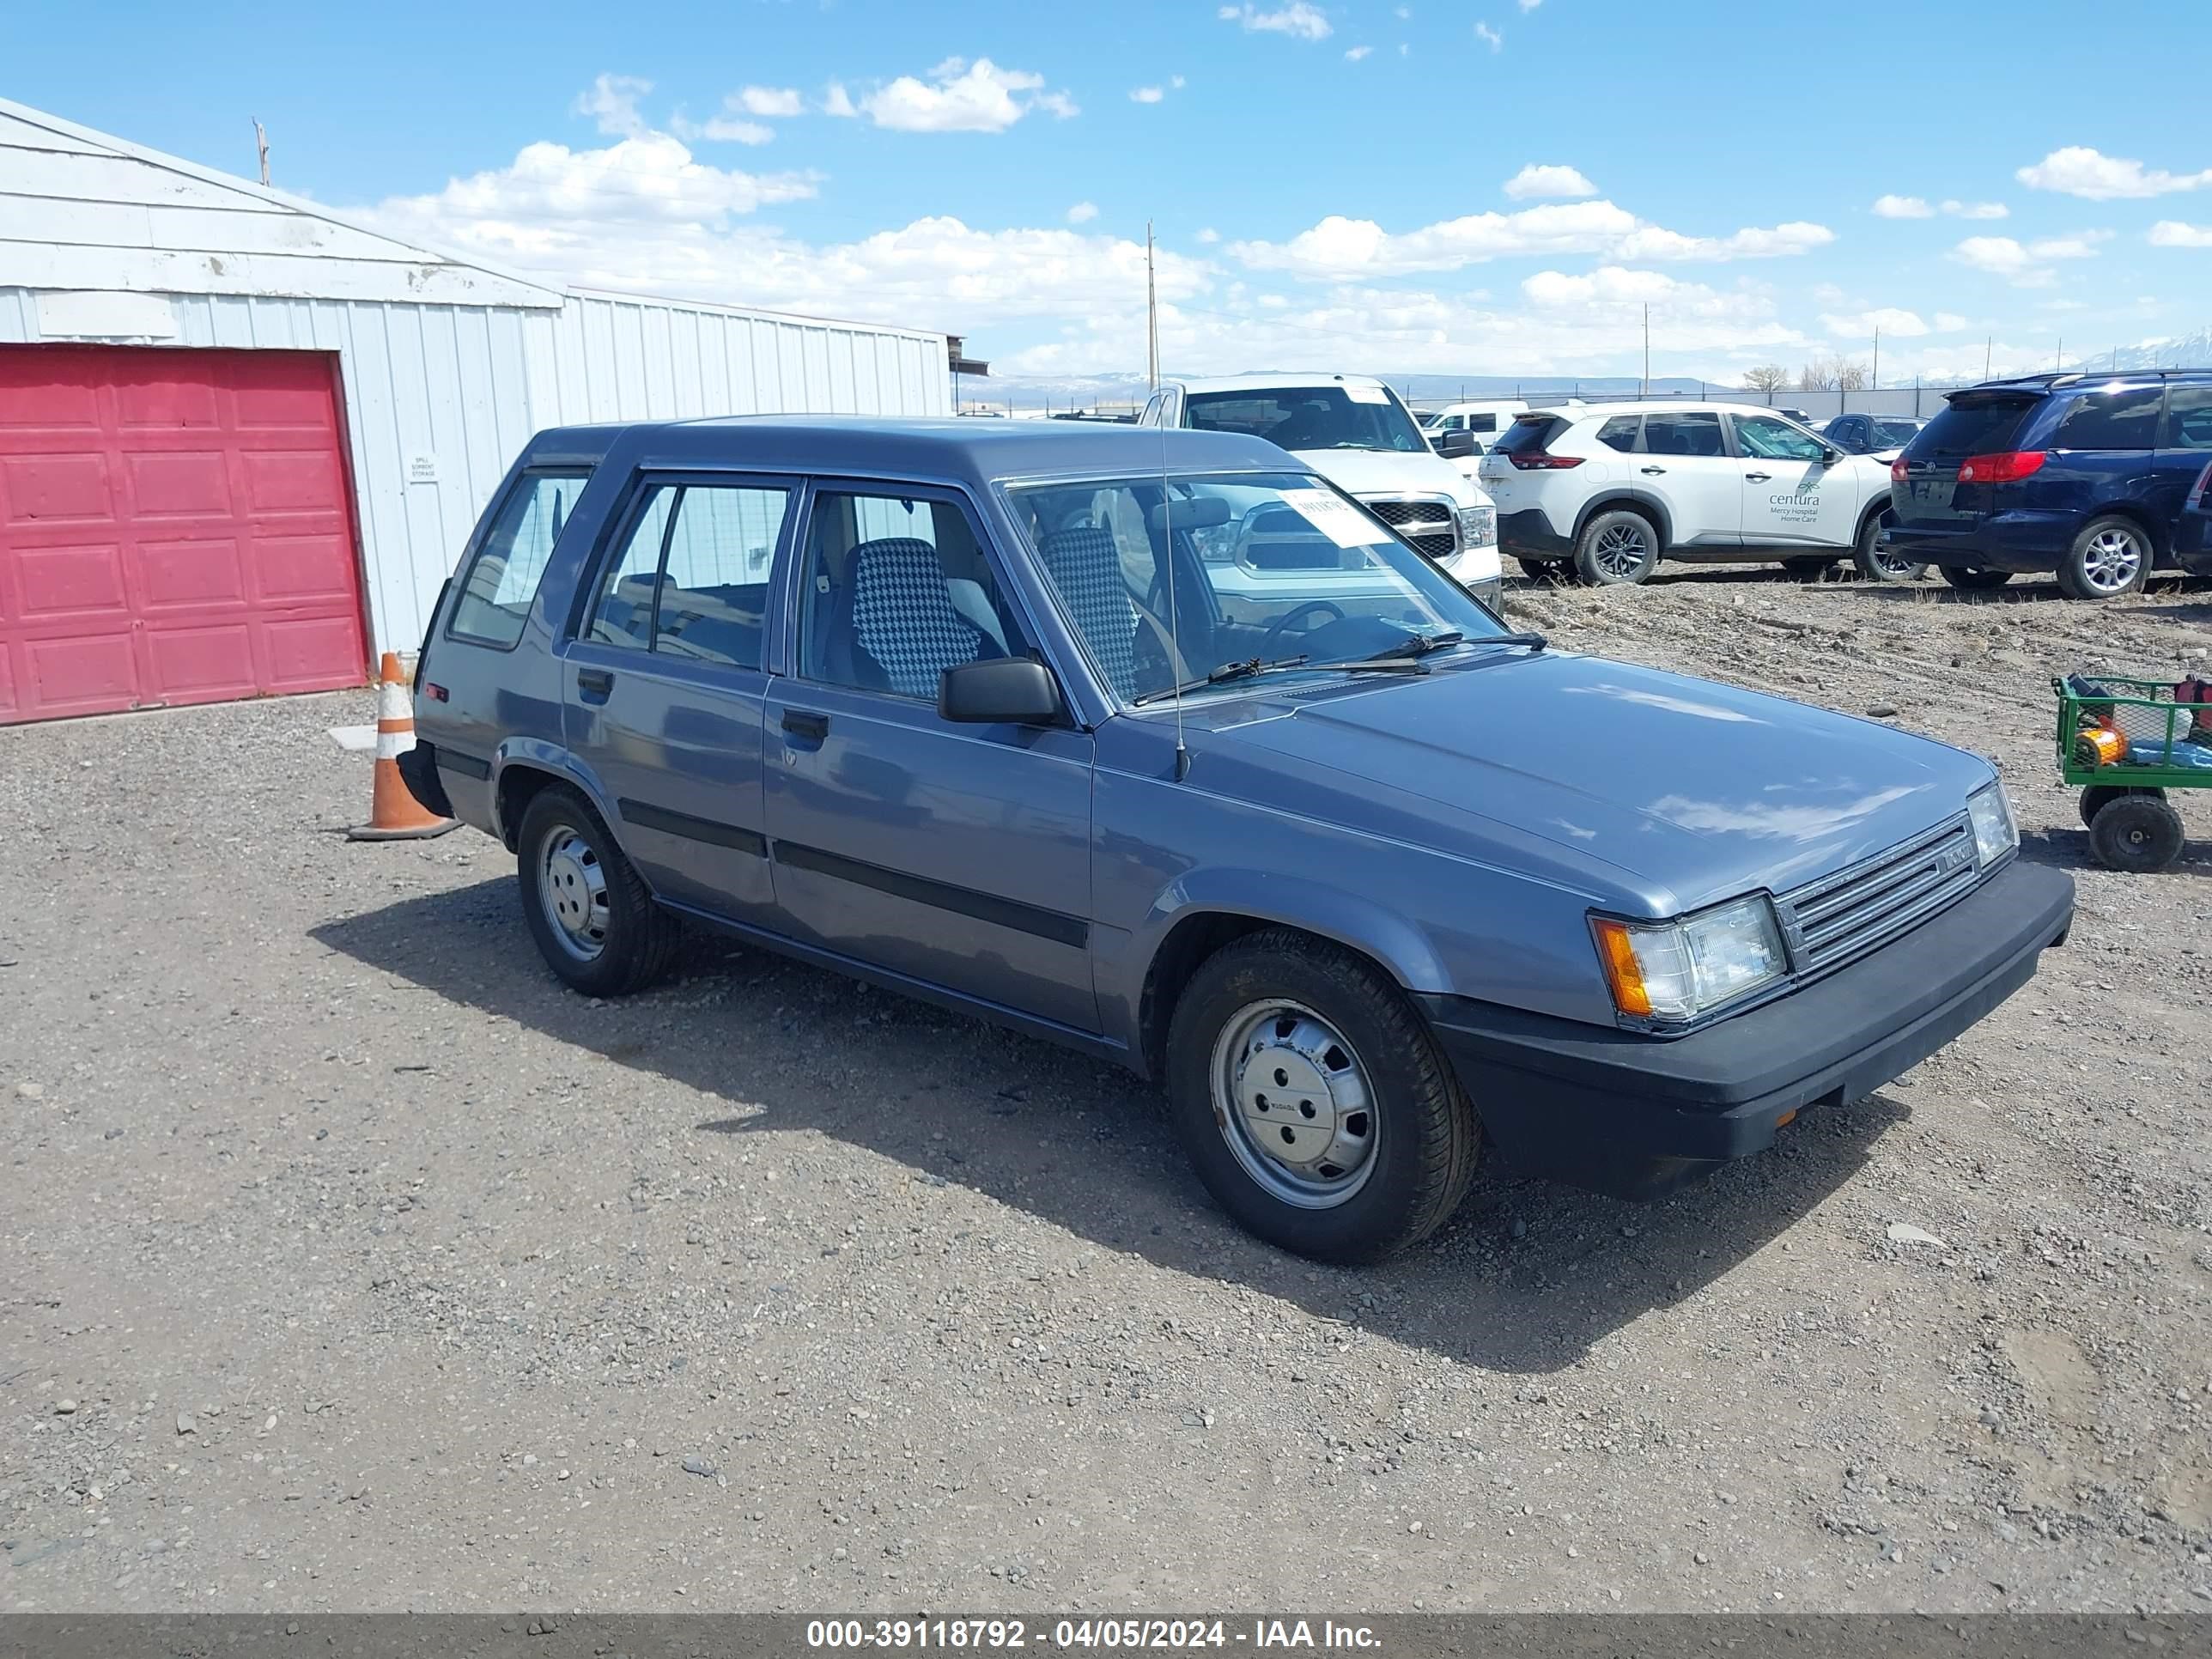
(1635, 1117)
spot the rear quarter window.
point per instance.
(1972, 426)
(501, 583)
(2123, 417)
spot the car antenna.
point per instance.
(1175, 622)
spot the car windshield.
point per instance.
(1353, 416)
(1171, 582)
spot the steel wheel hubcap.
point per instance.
(572, 889)
(1294, 1104)
(1620, 551)
(2112, 560)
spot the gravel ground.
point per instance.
(351, 1263)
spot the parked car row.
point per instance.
(2101, 479)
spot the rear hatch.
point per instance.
(1927, 493)
(1511, 470)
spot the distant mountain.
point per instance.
(1112, 391)
(2185, 351)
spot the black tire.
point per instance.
(2111, 556)
(2136, 834)
(638, 938)
(1813, 565)
(1425, 1138)
(1617, 547)
(1875, 565)
(2094, 797)
(1542, 570)
(1973, 579)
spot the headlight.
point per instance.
(1676, 970)
(1995, 833)
(1477, 526)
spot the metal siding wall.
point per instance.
(466, 386)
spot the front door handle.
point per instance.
(594, 684)
(1758, 477)
(801, 723)
(1654, 470)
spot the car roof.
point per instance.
(954, 447)
(1269, 382)
(1651, 406)
(2072, 379)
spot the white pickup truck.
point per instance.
(1353, 431)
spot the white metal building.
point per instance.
(242, 438)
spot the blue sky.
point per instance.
(1443, 186)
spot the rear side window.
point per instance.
(2188, 418)
(501, 583)
(691, 577)
(1621, 432)
(2123, 418)
(1530, 433)
(1690, 433)
(1972, 426)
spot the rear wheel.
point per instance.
(1615, 547)
(1973, 579)
(2110, 557)
(2137, 835)
(2097, 794)
(1313, 1101)
(595, 922)
(1876, 563)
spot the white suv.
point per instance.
(1605, 491)
(1355, 431)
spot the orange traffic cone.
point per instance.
(394, 814)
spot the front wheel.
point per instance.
(1617, 547)
(595, 922)
(1313, 1102)
(1876, 563)
(2095, 797)
(2137, 834)
(2110, 557)
(1973, 579)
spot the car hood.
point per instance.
(1648, 789)
(1391, 472)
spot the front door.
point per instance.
(664, 683)
(957, 856)
(1792, 496)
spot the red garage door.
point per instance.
(174, 527)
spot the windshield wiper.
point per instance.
(1251, 668)
(1408, 653)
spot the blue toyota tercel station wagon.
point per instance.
(1157, 744)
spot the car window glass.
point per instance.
(1766, 439)
(690, 576)
(1482, 423)
(1619, 433)
(1688, 433)
(1310, 417)
(2188, 418)
(2125, 417)
(622, 612)
(501, 581)
(1972, 425)
(895, 590)
(1894, 435)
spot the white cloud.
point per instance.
(2174, 233)
(835, 100)
(1082, 213)
(1530, 5)
(1209, 235)
(1977, 209)
(1902, 207)
(1146, 94)
(2077, 170)
(1948, 322)
(1858, 325)
(768, 100)
(1338, 248)
(722, 130)
(1357, 52)
(1306, 22)
(2025, 265)
(1490, 37)
(612, 101)
(1917, 207)
(1548, 183)
(962, 97)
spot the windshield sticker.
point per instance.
(1334, 517)
(1367, 394)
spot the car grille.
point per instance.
(1831, 921)
(1423, 520)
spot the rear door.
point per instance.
(1686, 471)
(2184, 446)
(2101, 450)
(1791, 496)
(664, 683)
(1929, 497)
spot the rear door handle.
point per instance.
(1758, 477)
(595, 683)
(802, 723)
(1654, 470)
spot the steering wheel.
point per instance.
(1276, 628)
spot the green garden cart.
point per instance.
(2125, 743)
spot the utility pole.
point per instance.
(1874, 379)
(1647, 349)
(1986, 343)
(261, 144)
(1151, 311)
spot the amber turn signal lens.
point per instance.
(1622, 970)
(1786, 1119)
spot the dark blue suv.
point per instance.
(2092, 476)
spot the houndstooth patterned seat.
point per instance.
(1086, 568)
(903, 616)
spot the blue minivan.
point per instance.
(1031, 720)
(2095, 476)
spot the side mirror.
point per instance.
(1830, 454)
(999, 691)
(1453, 445)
